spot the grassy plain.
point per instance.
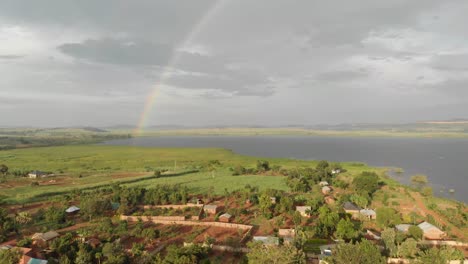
(103, 165)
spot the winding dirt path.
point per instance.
(439, 218)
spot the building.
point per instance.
(36, 174)
(403, 227)
(226, 218)
(273, 199)
(323, 183)
(326, 251)
(337, 171)
(431, 232)
(43, 239)
(210, 208)
(286, 232)
(304, 210)
(267, 240)
(329, 200)
(326, 190)
(372, 235)
(368, 214)
(352, 209)
(72, 209)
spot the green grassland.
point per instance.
(102, 165)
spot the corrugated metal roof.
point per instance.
(425, 226)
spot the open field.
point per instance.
(92, 166)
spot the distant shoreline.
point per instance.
(296, 132)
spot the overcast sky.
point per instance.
(231, 62)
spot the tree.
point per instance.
(362, 253)
(263, 165)
(274, 255)
(387, 217)
(265, 205)
(92, 206)
(138, 249)
(427, 191)
(10, 255)
(419, 180)
(415, 232)
(366, 183)
(388, 237)
(3, 169)
(322, 165)
(359, 200)
(345, 230)
(83, 256)
(408, 249)
(23, 218)
(327, 221)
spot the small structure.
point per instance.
(304, 210)
(336, 171)
(352, 209)
(431, 232)
(267, 240)
(93, 242)
(37, 261)
(403, 227)
(372, 235)
(43, 239)
(226, 218)
(329, 200)
(210, 208)
(326, 190)
(323, 183)
(326, 251)
(72, 209)
(368, 214)
(273, 199)
(36, 174)
(287, 232)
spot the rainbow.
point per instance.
(166, 73)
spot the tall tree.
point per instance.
(274, 255)
(362, 253)
(83, 256)
(345, 230)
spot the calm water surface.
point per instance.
(445, 161)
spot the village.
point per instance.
(137, 225)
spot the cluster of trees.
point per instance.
(7, 225)
(303, 179)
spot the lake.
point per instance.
(443, 160)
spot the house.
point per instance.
(336, 171)
(431, 232)
(323, 183)
(403, 227)
(267, 240)
(352, 209)
(329, 200)
(226, 218)
(304, 210)
(273, 199)
(210, 208)
(36, 174)
(372, 235)
(93, 242)
(326, 251)
(326, 190)
(72, 209)
(368, 214)
(43, 239)
(286, 232)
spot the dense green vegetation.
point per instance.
(11, 138)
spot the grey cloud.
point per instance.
(11, 57)
(115, 51)
(452, 62)
(340, 76)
